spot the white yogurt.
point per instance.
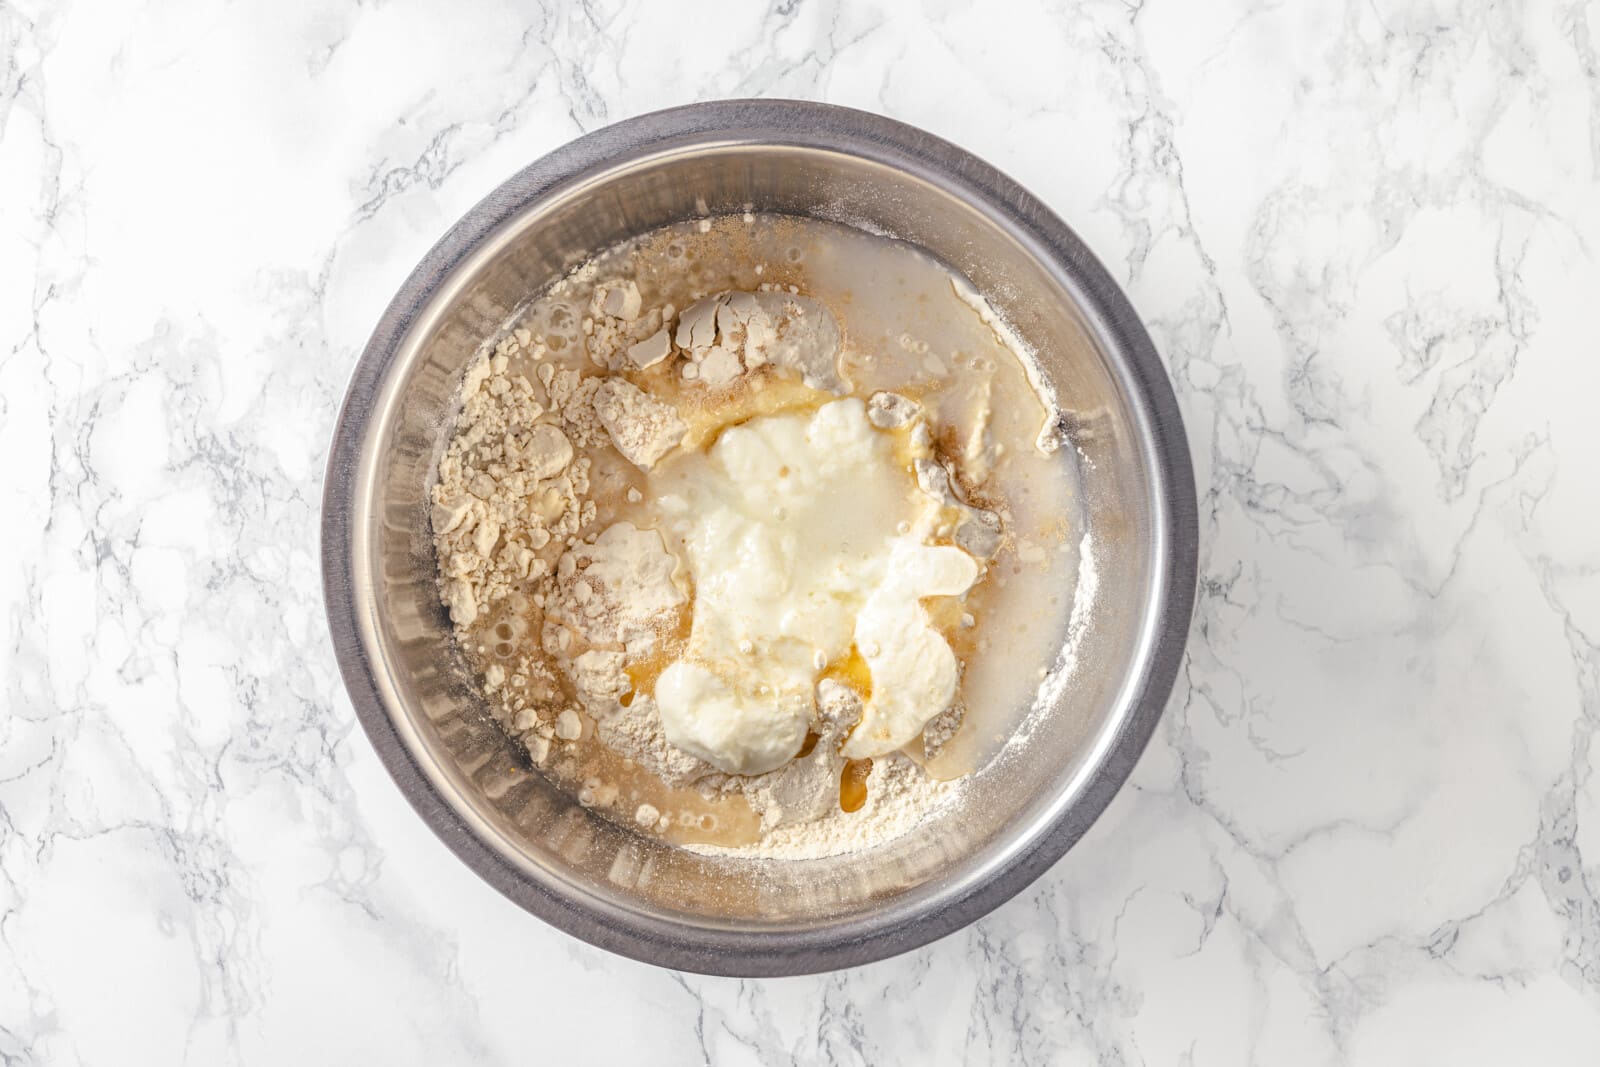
(803, 535)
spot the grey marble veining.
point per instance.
(1365, 238)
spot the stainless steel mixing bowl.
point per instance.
(474, 787)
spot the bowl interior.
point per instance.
(598, 872)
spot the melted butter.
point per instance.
(642, 673)
(944, 613)
(851, 670)
(853, 784)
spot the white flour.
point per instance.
(899, 796)
(1058, 679)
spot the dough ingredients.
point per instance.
(724, 570)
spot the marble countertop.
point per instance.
(1365, 239)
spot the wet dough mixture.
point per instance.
(732, 520)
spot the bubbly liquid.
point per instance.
(905, 329)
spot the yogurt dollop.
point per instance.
(804, 536)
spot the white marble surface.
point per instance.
(1365, 238)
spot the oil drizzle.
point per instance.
(851, 670)
(853, 784)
